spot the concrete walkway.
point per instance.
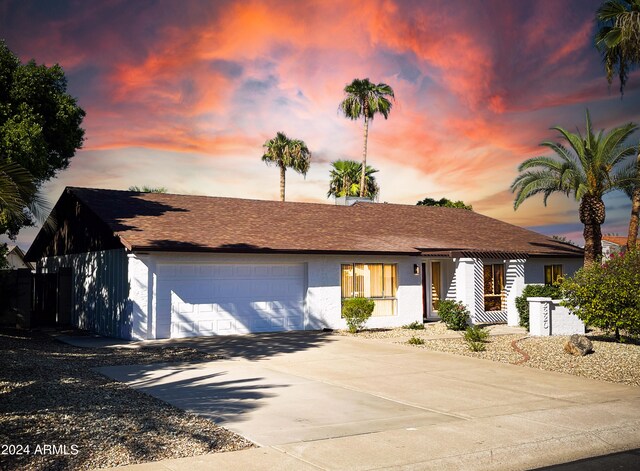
(345, 403)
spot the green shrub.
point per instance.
(454, 314)
(357, 311)
(415, 341)
(415, 325)
(606, 295)
(477, 346)
(475, 336)
(476, 333)
(534, 291)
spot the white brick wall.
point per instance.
(548, 317)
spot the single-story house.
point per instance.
(149, 265)
(15, 258)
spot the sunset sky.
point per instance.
(183, 94)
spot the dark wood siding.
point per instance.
(74, 229)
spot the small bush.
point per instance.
(357, 311)
(415, 341)
(454, 314)
(477, 346)
(475, 333)
(533, 291)
(475, 336)
(415, 325)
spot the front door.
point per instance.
(431, 289)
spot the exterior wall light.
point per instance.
(416, 269)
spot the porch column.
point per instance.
(514, 284)
(469, 285)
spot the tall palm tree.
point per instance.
(287, 153)
(590, 167)
(366, 99)
(618, 40)
(345, 179)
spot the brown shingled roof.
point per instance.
(155, 221)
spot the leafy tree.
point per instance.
(364, 100)
(445, 203)
(39, 127)
(618, 40)
(148, 189)
(287, 153)
(606, 295)
(591, 166)
(345, 179)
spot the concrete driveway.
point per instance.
(343, 403)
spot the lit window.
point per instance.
(552, 274)
(493, 287)
(375, 281)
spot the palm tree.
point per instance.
(345, 179)
(591, 166)
(618, 40)
(287, 153)
(366, 99)
(18, 193)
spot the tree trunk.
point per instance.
(363, 173)
(592, 243)
(592, 215)
(282, 171)
(632, 239)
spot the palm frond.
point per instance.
(618, 38)
(575, 141)
(19, 194)
(540, 161)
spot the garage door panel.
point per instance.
(232, 299)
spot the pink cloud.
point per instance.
(477, 84)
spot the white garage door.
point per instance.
(233, 299)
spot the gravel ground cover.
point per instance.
(431, 329)
(49, 395)
(610, 361)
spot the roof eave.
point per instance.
(262, 250)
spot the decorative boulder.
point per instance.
(578, 345)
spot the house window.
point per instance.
(493, 287)
(436, 285)
(552, 274)
(377, 281)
